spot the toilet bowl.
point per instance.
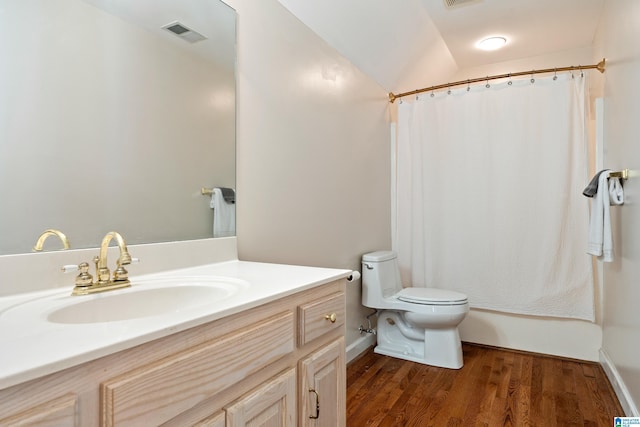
(417, 324)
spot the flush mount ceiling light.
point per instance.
(491, 43)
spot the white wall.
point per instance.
(617, 40)
(551, 60)
(313, 156)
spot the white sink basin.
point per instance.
(171, 297)
(159, 297)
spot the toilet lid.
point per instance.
(431, 296)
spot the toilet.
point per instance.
(417, 324)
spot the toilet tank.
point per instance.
(380, 277)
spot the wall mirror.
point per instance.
(109, 121)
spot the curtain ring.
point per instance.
(510, 82)
(532, 79)
(581, 72)
(487, 85)
(468, 85)
(449, 88)
(555, 74)
(432, 94)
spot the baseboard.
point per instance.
(359, 346)
(626, 401)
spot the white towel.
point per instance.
(600, 240)
(616, 193)
(224, 215)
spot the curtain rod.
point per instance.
(600, 66)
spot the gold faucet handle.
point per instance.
(120, 274)
(84, 279)
(125, 258)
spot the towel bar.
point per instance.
(624, 174)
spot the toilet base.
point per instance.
(434, 347)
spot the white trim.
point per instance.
(626, 401)
(359, 346)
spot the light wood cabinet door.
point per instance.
(60, 412)
(323, 387)
(271, 405)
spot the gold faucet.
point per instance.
(104, 282)
(51, 232)
(120, 274)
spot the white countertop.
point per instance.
(32, 346)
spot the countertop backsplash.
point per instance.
(31, 272)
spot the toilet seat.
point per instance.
(431, 296)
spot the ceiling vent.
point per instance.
(452, 4)
(184, 32)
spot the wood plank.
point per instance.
(536, 399)
(495, 387)
(359, 390)
(461, 394)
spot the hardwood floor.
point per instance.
(494, 388)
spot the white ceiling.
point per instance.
(215, 20)
(405, 43)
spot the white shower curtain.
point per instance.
(489, 188)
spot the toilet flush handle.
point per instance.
(368, 266)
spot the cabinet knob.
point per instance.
(331, 317)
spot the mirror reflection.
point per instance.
(109, 121)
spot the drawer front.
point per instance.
(154, 394)
(320, 316)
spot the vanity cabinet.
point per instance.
(253, 368)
